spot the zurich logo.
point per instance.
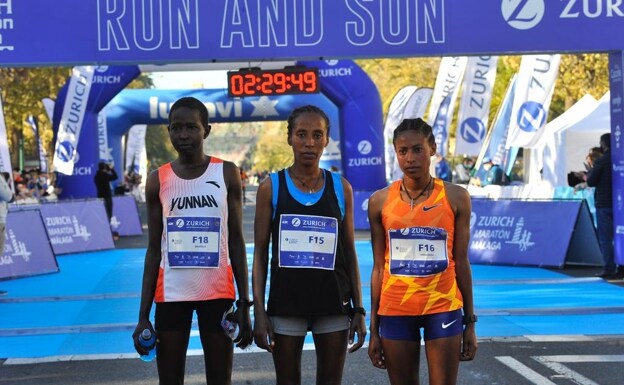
(473, 219)
(531, 116)
(365, 147)
(180, 223)
(296, 222)
(405, 231)
(101, 69)
(331, 62)
(522, 14)
(472, 130)
(65, 151)
(365, 205)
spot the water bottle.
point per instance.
(229, 324)
(147, 339)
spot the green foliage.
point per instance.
(272, 150)
(158, 146)
(22, 91)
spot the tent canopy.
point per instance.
(570, 137)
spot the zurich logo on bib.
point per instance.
(531, 116)
(365, 147)
(472, 130)
(522, 14)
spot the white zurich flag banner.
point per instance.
(104, 150)
(474, 106)
(417, 103)
(135, 147)
(393, 119)
(415, 108)
(534, 90)
(48, 105)
(71, 120)
(5, 157)
(449, 78)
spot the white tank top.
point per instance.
(195, 264)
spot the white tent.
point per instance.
(569, 140)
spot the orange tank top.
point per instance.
(419, 270)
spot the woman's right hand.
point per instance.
(263, 331)
(142, 325)
(375, 351)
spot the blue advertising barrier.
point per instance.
(77, 226)
(532, 233)
(126, 220)
(27, 250)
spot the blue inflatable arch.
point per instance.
(348, 96)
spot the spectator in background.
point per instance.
(6, 196)
(463, 170)
(244, 180)
(493, 173)
(442, 169)
(17, 175)
(577, 179)
(103, 177)
(600, 178)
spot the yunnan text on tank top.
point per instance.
(419, 271)
(195, 264)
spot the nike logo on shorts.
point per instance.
(427, 208)
(446, 325)
(345, 303)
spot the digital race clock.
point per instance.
(257, 82)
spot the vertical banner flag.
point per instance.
(415, 108)
(616, 85)
(446, 89)
(393, 119)
(474, 106)
(417, 103)
(43, 157)
(71, 119)
(494, 146)
(135, 148)
(5, 157)
(104, 151)
(48, 105)
(534, 89)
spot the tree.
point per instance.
(272, 150)
(22, 91)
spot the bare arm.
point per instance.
(237, 250)
(152, 256)
(263, 332)
(358, 323)
(378, 239)
(460, 202)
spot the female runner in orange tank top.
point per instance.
(421, 278)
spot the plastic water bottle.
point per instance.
(147, 339)
(229, 324)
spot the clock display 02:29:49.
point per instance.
(273, 82)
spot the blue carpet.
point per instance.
(91, 305)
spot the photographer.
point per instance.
(104, 175)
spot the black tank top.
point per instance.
(307, 291)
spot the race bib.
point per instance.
(193, 241)
(418, 251)
(307, 241)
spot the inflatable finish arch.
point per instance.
(347, 95)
